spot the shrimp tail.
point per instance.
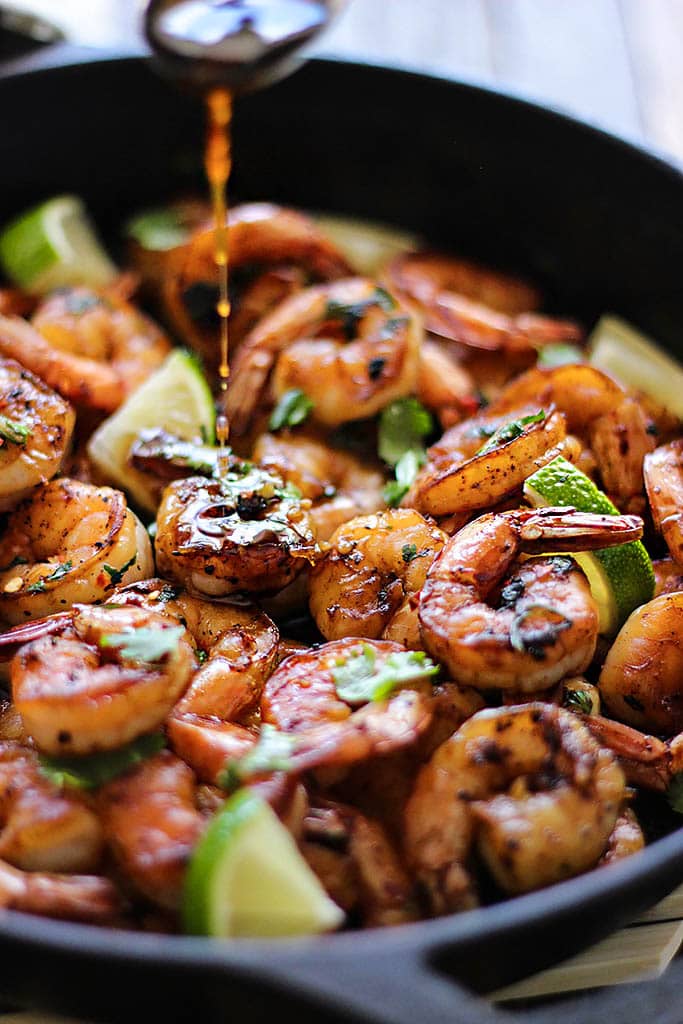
(568, 530)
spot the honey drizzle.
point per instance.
(218, 163)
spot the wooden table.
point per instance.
(618, 63)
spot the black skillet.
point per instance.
(600, 224)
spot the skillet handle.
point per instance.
(405, 988)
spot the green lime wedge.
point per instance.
(176, 398)
(54, 245)
(637, 361)
(620, 578)
(248, 878)
(366, 245)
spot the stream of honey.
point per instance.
(218, 162)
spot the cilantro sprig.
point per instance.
(13, 432)
(403, 427)
(93, 770)
(146, 644)
(360, 677)
(510, 431)
(59, 572)
(291, 410)
(272, 752)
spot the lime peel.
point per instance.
(54, 245)
(176, 398)
(620, 578)
(247, 878)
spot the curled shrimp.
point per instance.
(151, 822)
(475, 306)
(496, 622)
(94, 349)
(641, 681)
(620, 440)
(647, 761)
(43, 828)
(69, 542)
(374, 565)
(663, 472)
(339, 484)
(241, 532)
(301, 698)
(349, 346)
(358, 865)
(91, 688)
(274, 239)
(35, 432)
(444, 385)
(464, 473)
(88, 898)
(528, 786)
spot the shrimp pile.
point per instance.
(354, 611)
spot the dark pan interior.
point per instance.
(598, 223)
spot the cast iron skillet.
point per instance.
(600, 224)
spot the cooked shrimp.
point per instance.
(647, 761)
(91, 348)
(95, 687)
(444, 385)
(641, 681)
(626, 839)
(241, 532)
(260, 235)
(474, 306)
(152, 824)
(529, 786)
(372, 882)
(663, 471)
(349, 346)
(338, 483)
(375, 564)
(668, 576)
(301, 698)
(496, 622)
(455, 481)
(86, 898)
(620, 440)
(425, 276)
(579, 391)
(69, 542)
(43, 828)
(35, 432)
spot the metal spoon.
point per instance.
(238, 44)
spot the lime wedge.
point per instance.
(54, 245)
(637, 361)
(176, 398)
(620, 578)
(366, 245)
(247, 878)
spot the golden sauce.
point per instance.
(217, 162)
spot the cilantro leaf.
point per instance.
(93, 770)
(409, 552)
(271, 753)
(292, 409)
(359, 679)
(510, 431)
(13, 432)
(578, 700)
(40, 585)
(403, 426)
(146, 644)
(407, 468)
(116, 575)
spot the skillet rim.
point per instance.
(659, 865)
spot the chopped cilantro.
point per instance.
(409, 552)
(271, 753)
(535, 639)
(116, 575)
(292, 409)
(510, 431)
(13, 432)
(359, 679)
(93, 770)
(147, 645)
(403, 427)
(578, 700)
(405, 472)
(349, 314)
(40, 585)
